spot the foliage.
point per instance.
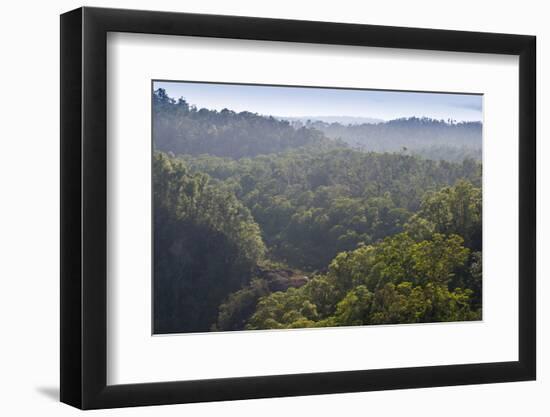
(240, 305)
(351, 237)
(450, 210)
(396, 281)
(205, 246)
(312, 205)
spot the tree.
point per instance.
(451, 210)
(397, 280)
(180, 128)
(206, 245)
(363, 237)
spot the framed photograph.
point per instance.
(256, 208)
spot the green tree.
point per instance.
(397, 280)
(451, 210)
(206, 245)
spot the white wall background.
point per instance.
(29, 226)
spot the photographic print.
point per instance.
(287, 207)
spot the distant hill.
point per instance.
(434, 139)
(344, 120)
(181, 128)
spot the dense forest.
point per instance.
(260, 223)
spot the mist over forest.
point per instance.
(343, 120)
(263, 223)
(430, 138)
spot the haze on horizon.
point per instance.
(311, 102)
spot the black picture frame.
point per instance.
(84, 207)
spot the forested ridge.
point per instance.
(426, 137)
(260, 224)
(183, 129)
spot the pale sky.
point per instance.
(301, 102)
